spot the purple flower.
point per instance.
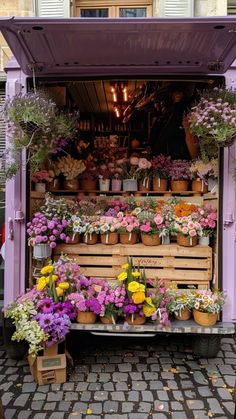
(93, 305)
(52, 245)
(46, 305)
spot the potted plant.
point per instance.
(187, 229)
(179, 175)
(44, 233)
(181, 303)
(200, 172)
(91, 229)
(41, 178)
(206, 306)
(85, 299)
(212, 120)
(111, 300)
(207, 218)
(129, 228)
(160, 172)
(89, 178)
(70, 168)
(109, 227)
(144, 174)
(150, 226)
(104, 175)
(129, 173)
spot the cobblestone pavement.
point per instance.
(115, 378)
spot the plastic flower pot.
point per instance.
(88, 185)
(41, 251)
(144, 186)
(116, 185)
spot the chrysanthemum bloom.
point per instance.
(138, 297)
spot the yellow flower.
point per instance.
(64, 285)
(47, 269)
(59, 292)
(122, 276)
(138, 297)
(41, 284)
(133, 286)
(54, 278)
(141, 287)
(148, 311)
(47, 279)
(125, 266)
(149, 301)
(136, 274)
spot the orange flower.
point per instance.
(183, 209)
(138, 297)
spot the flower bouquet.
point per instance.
(206, 306)
(109, 227)
(160, 172)
(91, 229)
(180, 175)
(71, 169)
(40, 179)
(129, 228)
(144, 174)
(112, 301)
(200, 172)
(207, 218)
(188, 229)
(181, 303)
(151, 226)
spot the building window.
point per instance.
(135, 12)
(93, 12)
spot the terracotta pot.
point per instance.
(108, 320)
(90, 238)
(40, 187)
(204, 319)
(150, 239)
(199, 185)
(74, 238)
(71, 184)
(109, 238)
(86, 317)
(179, 185)
(159, 185)
(54, 185)
(185, 314)
(144, 185)
(128, 238)
(116, 185)
(88, 185)
(135, 319)
(186, 240)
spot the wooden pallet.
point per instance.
(183, 265)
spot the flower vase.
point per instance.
(74, 238)
(108, 320)
(184, 314)
(54, 185)
(159, 184)
(104, 185)
(116, 185)
(212, 185)
(198, 185)
(71, 184)
(165, 239)
(90, 238)
(135, 319)
(41, 251)
(144, 185)
(88, 185)
(128, 238)
(204, 319)
(150, 239)
(204, 241)
(186, 241)
(179, 185)
(86, 317)
(40, 187)
(130, 185)
(109, 238)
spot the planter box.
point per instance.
(50, 368)
(173, 263)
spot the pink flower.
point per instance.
(158, 219)
(192, 233)
(145, 228)
(184, 230)
(144, 164)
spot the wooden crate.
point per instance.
(173, 263)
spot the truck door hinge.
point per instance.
(19, 216)
(229, 218)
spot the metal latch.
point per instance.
(10, 229)
(19, 216)
(229, 219)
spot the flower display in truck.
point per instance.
(188, 226)
(41, 230)
(208, 301)
(207, 218)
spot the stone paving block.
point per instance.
(76, 415)
(195, 404)
(185, 384)
(49, 406)
(155, 385)
(116, 416)
(138, 416)
(127, 407)
(80, 407)
(141, 367)
(64, 406)
(92, 377)
(131, 360)
(24, 414)
(144, 407)
(115, 360)
(224, 394)
(161, 406)
(122, 386)
(229, 406)
(10, 413)
(5, 386)
(136, 376)
(110, 386)
(159, 416)
(105, 377)
(110, 406)
(21, 400)
(94, 386)
(37, 405)
(70, 396)
(133, 396)
(96, 408)
(124, 367)
(100, 395)
(199, 377)
(214, 405)
(162, 395)
(29, 387)
(109, 368)
(200, 414)
(176, 406)
(13, 377)
(139, 385)
(230, 380)
(6, 398)
(155, 367)
(57, 415)
(151, 376)
(119, 376)
(204, 391)
(43, 389)
(97, 368)
(68, 387)
(147, 396)
(172, 384)
(178, 415)
(118, 395)
(81, 386)
(189, 394)
(55, 396)
(85, 396)
(178, 395)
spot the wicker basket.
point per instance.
(159, 185)
(128, 238)
(199, 185)
(86, 317)
(90, 238)
(186, 240)
(109, 238)
(135, 319)
(179, 185)
(150, 239)
(204, 319)
(184, 315)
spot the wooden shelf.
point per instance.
(35, 194)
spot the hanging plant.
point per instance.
(34, 125)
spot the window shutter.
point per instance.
(52, 8)
(176, 8)
(2, 128)
(231, 7)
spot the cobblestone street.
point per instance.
(117, 378)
